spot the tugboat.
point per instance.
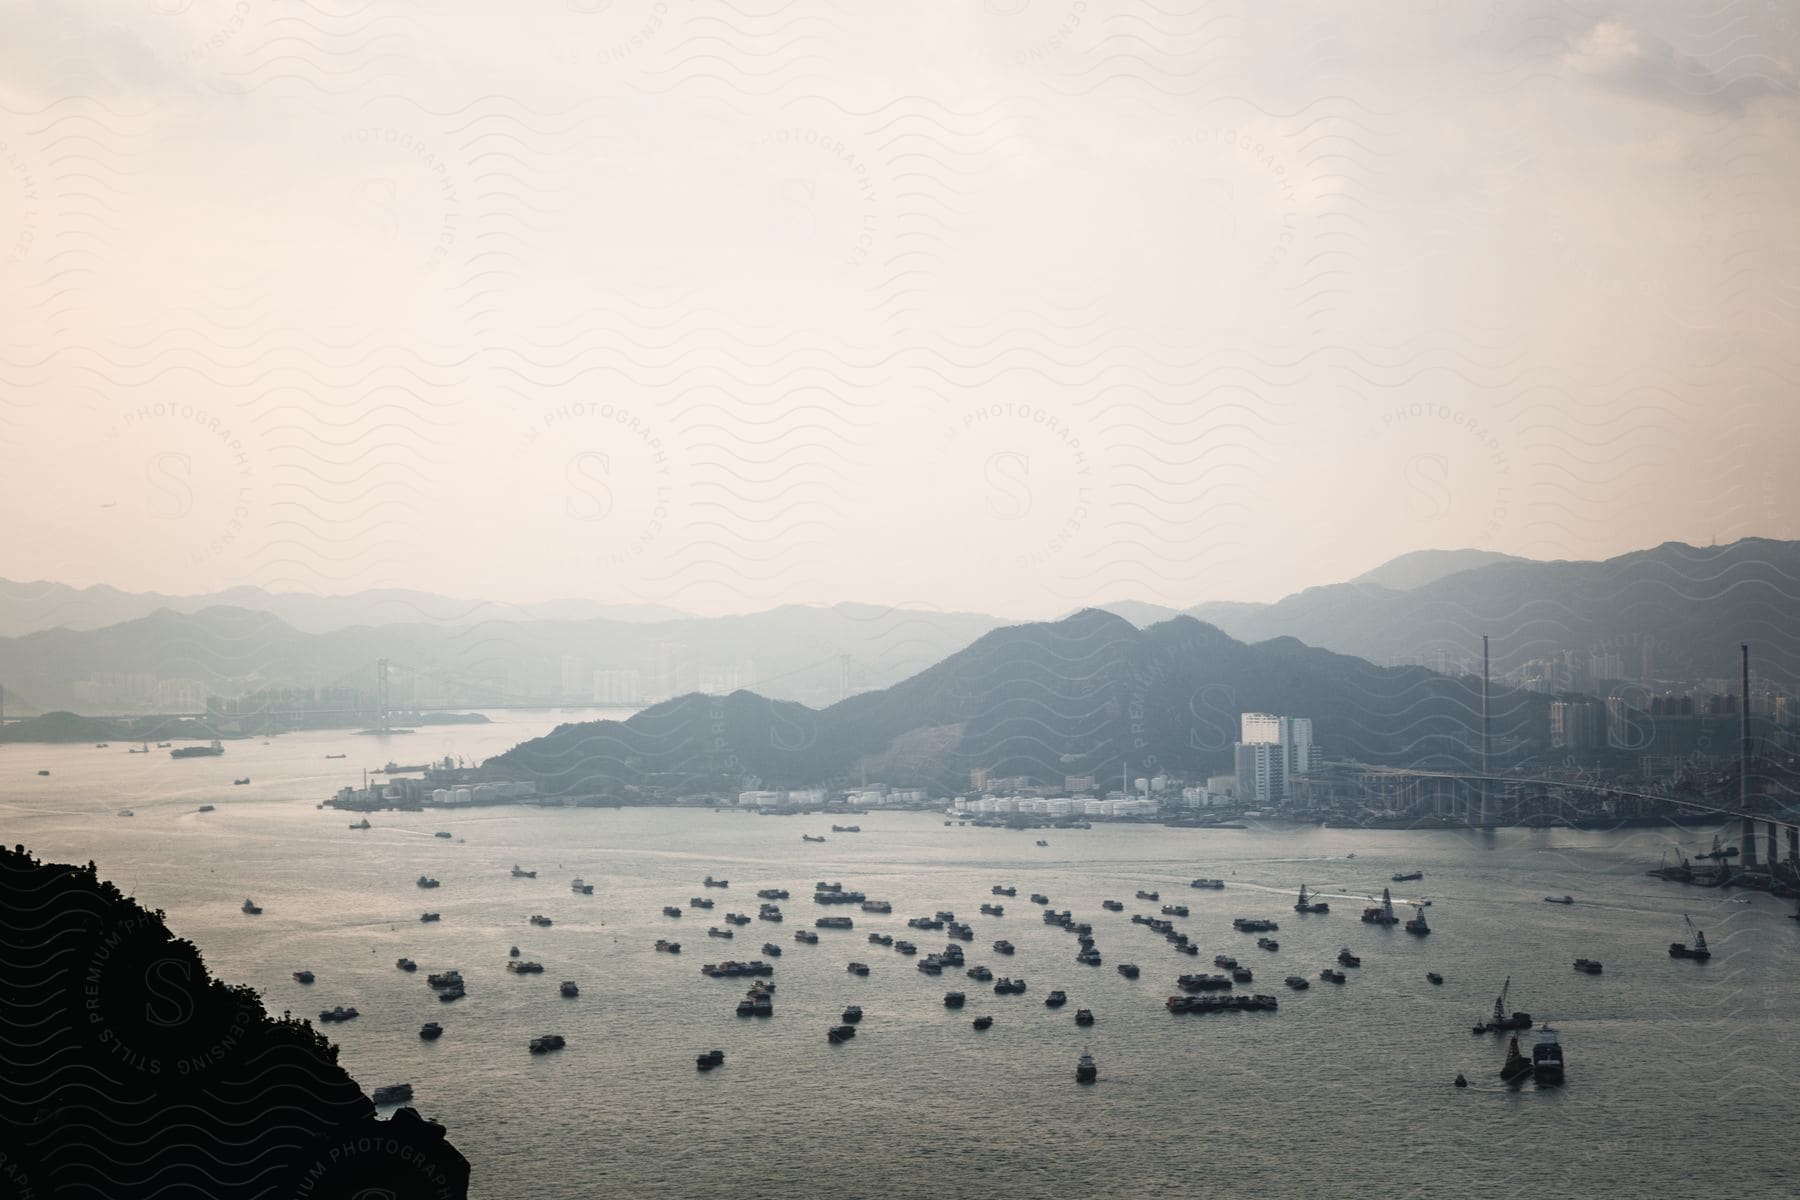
(1383, 913)
(1085, 1070)
(1517, 1066)
(1084, 1016)
(1307, 905)
(252, 907)
(303, 976)
(709, 1060)
(431, 1031)
(1417, 925)
(393, 1093)
(1697, 951)
(1502, 1020)
(983, 1022)
(1547, 1057)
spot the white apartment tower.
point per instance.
(1270, 750)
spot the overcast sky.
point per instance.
(1005, 305)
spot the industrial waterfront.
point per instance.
(1349, 1088)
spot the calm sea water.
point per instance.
(1680, 1074)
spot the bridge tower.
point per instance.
(381, 694)
(1482, 821)
(1747, 835)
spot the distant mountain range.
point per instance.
(1088, 695)
(1679, 610)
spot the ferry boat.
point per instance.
(430, 1031)
(430, 916)
(1308, 905)
(1408, 876)
(426, 881)
(252, 907)
(1559, 899)
(1588, 966)
(710, 1059)
(1085, 1070)
(1697, 951)
(1417, 925)
(580, 888)
(303, 976)
(405, 964)
(393, 1093)
(1383, 913)
(983, 1022)
(519, 872)
(1547, 1057)
(1517, 1066)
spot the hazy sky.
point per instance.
(992, 304)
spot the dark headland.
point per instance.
(130, 1071)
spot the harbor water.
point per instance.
(1680, 1074)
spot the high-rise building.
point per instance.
(1270, 750)
(1576, 725)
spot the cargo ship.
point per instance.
(211, 751)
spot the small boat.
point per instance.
(1298, 982)
(709, 881)
(406, 964)
(1085, 1070)
(669, 910)
(240, 782)
(580, 888)
(339, 1013)
(303, 976)
(1267, 943)
(668, 947)
(362, 824)
(513, 953)
(1517, 1066)
(840, 1033)
(520, 873)
(1347, 959)
(1042, 842)
(853, 1013)
(1434, 977)
(1330, 975)
(443, 833)
(544, 1043)
(427, 917)
(710, 1059)
(953, 999)
(857, 968)
(1209, 884)
(807, 837)
(43, 772)
(251, 907)
(540, 920)
(1698, 951)
(983, 1022)
(163, 745)
(430, 1031)
(1559, 899)
(1056, 999)
(570, 989)
(426, 881)
(1588, 966)
(1408, 876)
(202, 808)
(327, 756)
(1460, 1081)
(126, 812)
(1084, 1016)
(1003, 947)
(393, 1093)
(807, 936)
(1128, 970)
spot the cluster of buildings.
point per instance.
(1056, 806)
